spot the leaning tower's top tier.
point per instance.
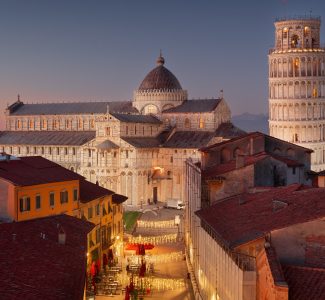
(297, 33)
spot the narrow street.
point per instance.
(168, 275)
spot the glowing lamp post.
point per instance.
(177, 223)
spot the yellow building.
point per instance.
(103, 208)
(34, 187)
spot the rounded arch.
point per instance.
(150, 109)
(237, 151)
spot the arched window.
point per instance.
(201, 123)
(187, 123)
(150, 109)
(108, 131)
(294, 41)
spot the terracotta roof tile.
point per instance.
(249, 216)
(305, 283)
(33, 267)
(90, 191)
(62, 138)
(34, 170)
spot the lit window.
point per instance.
(24, 204)
(201, 123)
(64, 196)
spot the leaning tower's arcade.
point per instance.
(297, 86)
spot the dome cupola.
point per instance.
(159, 90)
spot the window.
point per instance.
(18, 150)
(89, 152)
(66, 151)
(35, 150)
(57, 150)
(127, 130)
(201, 123)
(42, 150)
(38, 201)
(50, 150)
(108, 131)
(151, 130)
(51, 198)
(187, 123)
(135, 129)
(73, 151)
(18, 124)
(97, 236)
(114, 209)
(115, 154)
(92, 123)
(90, 212)
(24, 204)
(64, 197)
(171, 159)
(75, 194)
(294, 170)
(97, 210)
(143, 130)
(27, 150)
(126, 154)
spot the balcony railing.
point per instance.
(321, 48)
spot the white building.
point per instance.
(137, 148)
(297, 86)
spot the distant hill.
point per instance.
(250, 122)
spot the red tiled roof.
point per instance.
(250, 134)
(220, 169)
(118, 199)
(90, 191)
(36, 268)
(305, 283)
(34, 170)
(246, 217)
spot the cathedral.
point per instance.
(136, 148)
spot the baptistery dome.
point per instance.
(158, 91)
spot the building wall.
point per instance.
(300, 244)
(8, 210)
(44, 191)
(266, 287)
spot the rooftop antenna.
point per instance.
(18, 98)
(221, 94)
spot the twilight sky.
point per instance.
(100, 50)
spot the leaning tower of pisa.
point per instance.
(297, 86)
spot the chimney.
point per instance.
(240, 161)
(62, 236)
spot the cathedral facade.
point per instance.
(136, 148)
(297, 86)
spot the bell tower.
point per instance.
(297, 86)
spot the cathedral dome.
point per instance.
(160, 78)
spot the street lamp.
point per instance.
(177, 223)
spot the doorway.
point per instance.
(155, 194)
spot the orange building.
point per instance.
(34, 187)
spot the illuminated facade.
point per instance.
(297, 86)
(136, 148)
